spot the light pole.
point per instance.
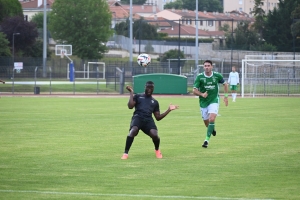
(13, 59)
(294, 44)
(179, 48)
(44, 38)
(13, 47)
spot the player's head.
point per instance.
(149, 88)
(233, 68)
(207, 65)
(208, 61)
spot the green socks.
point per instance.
(210, 129)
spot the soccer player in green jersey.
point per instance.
(206, 86)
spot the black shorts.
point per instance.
(144, 124)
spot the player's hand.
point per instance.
(173, 107)
(129, 88)
(226, 101)
(204, 95)
(3, 82)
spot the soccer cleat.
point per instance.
(125, 156)
(205, 144)
(214, 133)
(158, 154)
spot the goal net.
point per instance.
(93, 70)
(270, 76)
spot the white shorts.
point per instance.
(212, 108)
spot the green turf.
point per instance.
(70, 148)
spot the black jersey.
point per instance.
(145, 106)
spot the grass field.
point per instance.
(70, 148)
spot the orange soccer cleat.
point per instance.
(158, 154)
(125, 156)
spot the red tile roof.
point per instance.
(34, 4)
(191, 32)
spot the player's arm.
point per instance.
(159, 116)
(131, 102)
(198, 93)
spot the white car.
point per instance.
(112, 45)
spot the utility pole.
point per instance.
(45, 40)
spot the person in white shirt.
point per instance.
(233, 81)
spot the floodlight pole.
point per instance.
(179, 48)
(231, 41)
(294, 46)
(130, 28)
(13, 62)
(45, 39)
(197, 42)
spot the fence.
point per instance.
(32, 79)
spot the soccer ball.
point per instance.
(144, 60)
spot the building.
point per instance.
(159, 3)
(208, 21)
(248, 5)
(32, 7)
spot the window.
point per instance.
(201, 23)
(240, 1)
(210, 23)
(240, 9)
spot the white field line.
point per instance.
(123, 195)
(55, 82)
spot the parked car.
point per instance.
(112, 45)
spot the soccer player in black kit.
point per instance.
(145, 105)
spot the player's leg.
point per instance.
(206, 123)
(133, 131)
(151, 130)
(211, 114)
(233, 89)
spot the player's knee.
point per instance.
(212, 119)
(154, 135)
(133, 131)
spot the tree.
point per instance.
(259, 15)
(84, 24)
(36, 50)
(10, 8)
(277, 30)
(28, 32)
(140, 29)
(203, 5)
(178, 4)
(38, 19)
(171, 54)
(247, 38)
(137, 2)
(4, 48)
(295, 27)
